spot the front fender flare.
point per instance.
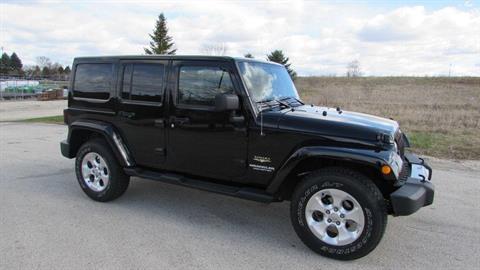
(367, 157)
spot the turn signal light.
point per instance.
(386, 169)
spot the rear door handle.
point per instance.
(159, 123)
(126, 114)
(178, 121)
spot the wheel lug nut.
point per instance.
(329, 220)
(335, 209)
(328, 211)
(338, 223)
(342, 215)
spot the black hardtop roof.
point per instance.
(167, 57)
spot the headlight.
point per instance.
(386, 138)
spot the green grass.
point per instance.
(458, 146)
(57, 119)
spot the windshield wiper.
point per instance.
(273, 103)
(296, 99)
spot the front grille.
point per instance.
(404, 173)
(400, 144)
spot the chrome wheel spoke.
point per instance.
(356, 214)
(344, 235)
(320, 227)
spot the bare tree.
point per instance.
(215, 49)
(353, 69)
(43, 61)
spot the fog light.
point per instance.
(386, 169)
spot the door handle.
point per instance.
(126, 114)
(178, 121)
(159, 123)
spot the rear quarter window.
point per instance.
(145, 84)
(93, 81)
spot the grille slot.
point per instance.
(400, 144)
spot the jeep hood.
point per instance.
(330, 122)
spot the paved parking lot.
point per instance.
(46, 222)
(18, 110)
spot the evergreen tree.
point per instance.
(161, 42)
(15, 62)
(67, 70)
(45, 71)
(248, 55)
(60, 70)
(277, 56)
(4, 63)
(37, 71)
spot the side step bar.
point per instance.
(253, 194)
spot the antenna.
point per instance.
(261, 119)
(261, 124)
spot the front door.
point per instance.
(141, 110)
(202, 141)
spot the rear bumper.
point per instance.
(417, 191)
(65, 149)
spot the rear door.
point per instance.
(140, 111)
(202, 141)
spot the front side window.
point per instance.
(198, 85)
(143, 82)
(93, 81)
(266, 81)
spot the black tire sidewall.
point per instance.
(374, 215)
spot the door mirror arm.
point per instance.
(236, 119)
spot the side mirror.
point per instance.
(226, 102)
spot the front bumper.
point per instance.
(417, 191)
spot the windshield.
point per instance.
(266, 82)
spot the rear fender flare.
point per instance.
(109, 133)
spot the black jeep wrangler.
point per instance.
(238, 127)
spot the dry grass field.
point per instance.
(440, 115)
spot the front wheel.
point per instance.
(338, 213)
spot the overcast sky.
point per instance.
(387, 37)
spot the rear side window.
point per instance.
(93, 81)
(143, 82)
(198, 85)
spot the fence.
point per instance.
(24, 87)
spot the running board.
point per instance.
(253, 194)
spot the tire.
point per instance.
(98, 172)
(338, 213)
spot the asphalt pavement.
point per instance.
(46, 221)
(14, 110)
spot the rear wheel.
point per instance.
(98, 172)
(338, 213)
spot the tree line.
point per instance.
(12, 66)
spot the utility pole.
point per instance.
(450, 71)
